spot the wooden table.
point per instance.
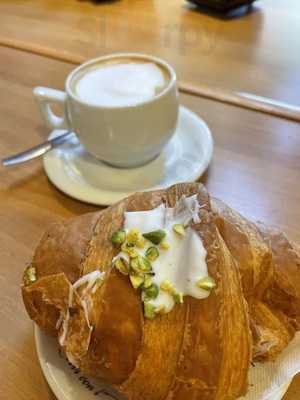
(256, 169)
(258, 53)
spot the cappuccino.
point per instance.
(120, 83)
(123, 107)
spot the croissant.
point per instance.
(202, 349)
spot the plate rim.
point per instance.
(107, 197)
(51, 382)
(61, 395)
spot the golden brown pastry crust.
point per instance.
(63, 247)
(246, 244)
(217, 344)
(262, 255)
(284, 293)
(118, 328)
(45, 299)
(203, 348)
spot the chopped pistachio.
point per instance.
(141, 264)
(177, 297)
(136, 280)
(206, 283)
(118, 237)
(122, 266)
(151, 292)
(149, 310)
(129, 249)
(179, 229)
(141, 242)
(147, 282)
(30, 275)
(145, 265)
(152, 253)
(167, 286)
(165, 246)
(133, 236)
(135, 264)
(155, 237)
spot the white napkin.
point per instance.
(269, 381)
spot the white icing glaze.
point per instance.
(59, 321)
(182, 265)
(146, 221)
(65, 323)
(185, 261)
(90, 279)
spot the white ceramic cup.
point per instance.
(123, 136)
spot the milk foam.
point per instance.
(121, 84)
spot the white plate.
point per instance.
(67, 383)
(72, 170)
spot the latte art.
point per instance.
(121, 84)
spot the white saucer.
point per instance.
(67, 382)
(72, 170)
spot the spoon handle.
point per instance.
(36, 151)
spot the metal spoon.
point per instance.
(36, 151)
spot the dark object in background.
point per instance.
(222, 5)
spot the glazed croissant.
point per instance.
(202, 349)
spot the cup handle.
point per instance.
(44, 97)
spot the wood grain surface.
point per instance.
(256, 169)
(254, 52)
